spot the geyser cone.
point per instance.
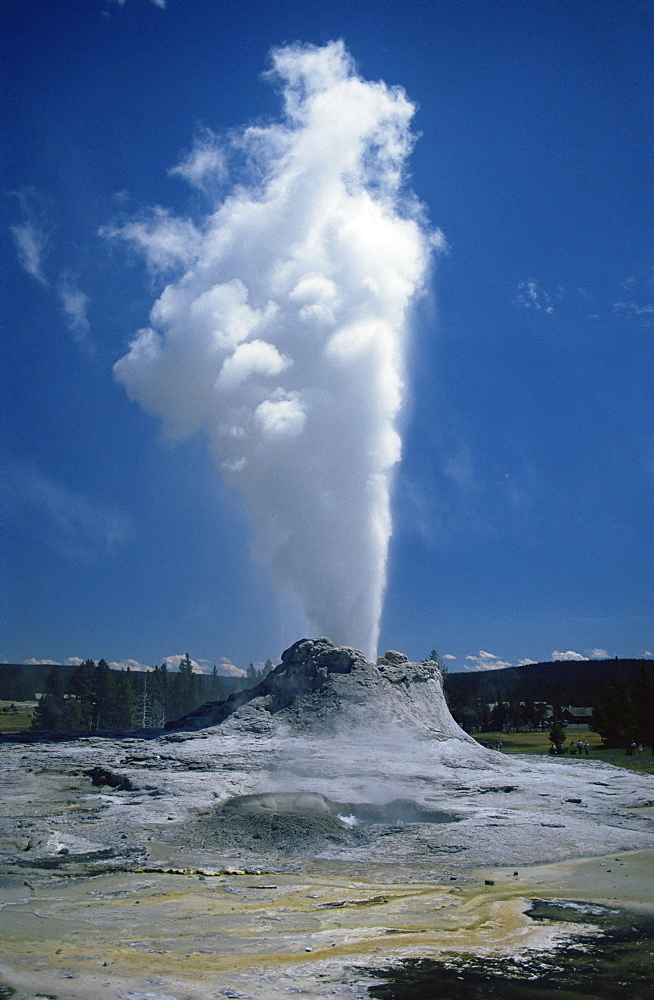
(328, 691)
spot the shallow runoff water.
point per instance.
(617, 963)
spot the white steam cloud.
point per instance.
(285, 336)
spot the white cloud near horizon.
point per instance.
(486, 661)
(598, 654)
(287, 325)
(133, 665)
(70, 661)
(568, 655)
(224, 666)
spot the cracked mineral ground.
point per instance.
(331, 832)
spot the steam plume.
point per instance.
(285, 336)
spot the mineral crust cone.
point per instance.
(324, 689)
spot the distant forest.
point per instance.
(580, 683)
(563, 682)
(92, 696)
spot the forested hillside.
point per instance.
(471, 696)
(91, 696)
(563, 682)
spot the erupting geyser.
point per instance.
(283, 328)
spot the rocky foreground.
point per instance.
(349, 779)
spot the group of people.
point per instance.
(580, 748)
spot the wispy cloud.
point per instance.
(32, 238)
(65, 519)
(530, 296)
(525, 662)
(459, 468)
(628, 309)
(32, 234)
(30, 244)
(167, 243)
(205, 167)
(74, 303)
(598, 654)
(568, 655)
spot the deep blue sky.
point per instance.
(522, 506)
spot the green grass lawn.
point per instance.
(14, 722)
(539, 743)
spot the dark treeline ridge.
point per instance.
(92, 696)
(562, 682)
(620, 692)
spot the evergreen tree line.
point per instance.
(517, 693)
(476, 715)
(624, 709)
(95, 697)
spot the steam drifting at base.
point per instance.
(283, 329)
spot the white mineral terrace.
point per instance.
(336, 819)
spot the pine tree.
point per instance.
(49, 712)
(557, 733)
(159, 687)
(643, 704)
(80, 687)
(613, 716)
(185, 690)
(103, 683)
(217, 690)
(124, 701)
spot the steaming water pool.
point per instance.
(399, 812)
